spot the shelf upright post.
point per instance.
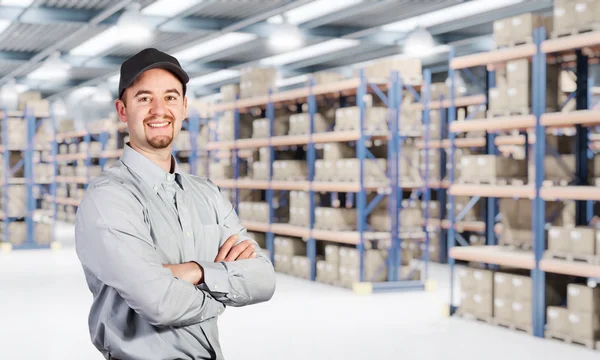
(88, 160)
(311, 156)
(451, 137)
(491, 203)
(441, 191)
(583, 210)
(427, 192)
(194, 131)
(361, 152)
(539, 240)
(236, 160)
(6, 177)
(30, 130)
(270, 237)
(395, 252)
(53, 185)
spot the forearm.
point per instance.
(240, 283)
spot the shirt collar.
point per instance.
(150, 173)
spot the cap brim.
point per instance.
(176, 70)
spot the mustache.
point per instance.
(163, 117)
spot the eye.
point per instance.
(171, 97)
(144, 99)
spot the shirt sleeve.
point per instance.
(243, 282)
(114, 244)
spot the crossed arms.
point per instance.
(114, 244)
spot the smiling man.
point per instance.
(163, 251)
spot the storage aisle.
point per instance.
(45, 304)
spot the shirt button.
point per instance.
(155, 188)
(235, 296)
(188, 233)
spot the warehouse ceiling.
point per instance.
(337, 34)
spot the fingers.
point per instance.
(226, 248)
(238, 250)
(249, 253)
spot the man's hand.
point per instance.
(189, 271)
(241, 251)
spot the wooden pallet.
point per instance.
(493, 181)
(575, 31)
(473, 317)
(513, 327)
(519, 247)
(576, 258)
(588, 343)
(334, 228)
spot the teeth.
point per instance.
(158, 125)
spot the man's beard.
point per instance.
(161, 141)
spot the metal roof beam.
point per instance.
(46, 15)
(16, 55)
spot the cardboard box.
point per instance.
(229, 92)
(558, 239)
(557, 320)
(300, 124)
(374, 170)
(467, 303)
(348, 118)
(522, 288)
(564, 15)
(586, 12)
(502, 33)
(260, 128)
(554, 169)
(519, 95)
(487, 168)
(522, 26)
(484, 304)
(335, 218)
(503, 288)
(332, 254)
(260, 170)
(373, 261)
(289, 246)
(503, 309)
(584, 326)
(581, 298)
(299, 217)
(26, 97)
(283, 263)
(336, 151)
(522, 314)
(299, 199)
(498, 97)
(290, 170)
(583, 241)
(322, 272)
(301, 267)
(484, 280)
(324, 170)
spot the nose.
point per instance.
(158, 107)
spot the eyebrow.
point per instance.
(173, 91)
(148, 92)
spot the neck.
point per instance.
(160, 157)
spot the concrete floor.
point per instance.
(45, 300)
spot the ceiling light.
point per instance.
(309, 52)
(213, 46)
(447, 14)
(132, 27)
(53, 68)
(4, 24)
(98, 44)
(285, 37)
(419, 43)
(312, 10)
(17, 3)
(169, 8)
(293, 80)
(215, 77)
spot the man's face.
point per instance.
(153, 108)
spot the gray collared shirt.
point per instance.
(134, 218)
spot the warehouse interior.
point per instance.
(422, 175)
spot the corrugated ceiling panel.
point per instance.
(8, 66)
(35, 37)
(165, 41)
(86, 4)
(393, 10)
(233, 9)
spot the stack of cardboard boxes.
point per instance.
(519, 29)
(574, 243)
(410, 70)
(285, 249)
(348, 118)
(17, 233)
(226, 127)
(256, 82)
(579, 322)
(340, 219)
(477, 287)
(292, 170)
(573, 16)
(260, 127)
(326, 169)
(491, 169)
(409, 164)
(300, 123)
(299, 208)
(328, 269)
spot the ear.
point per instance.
(185, 104)
(120, 107)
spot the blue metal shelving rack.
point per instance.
(580, 191)
(393, 100)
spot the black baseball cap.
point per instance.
(148, 59)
